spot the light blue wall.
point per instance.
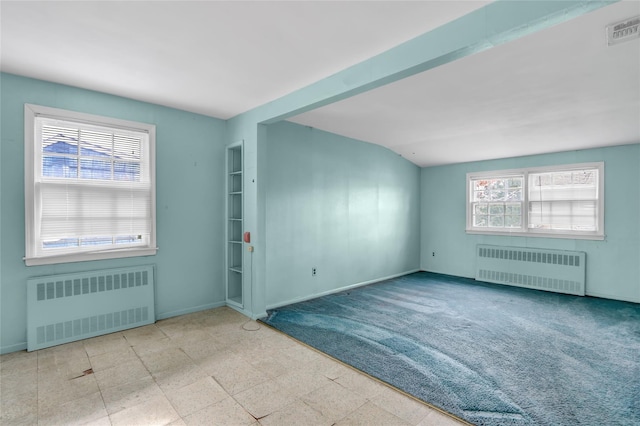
(346, 207)
(190, 151)
(613, 265)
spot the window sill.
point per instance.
(538, 235)
(85, 257)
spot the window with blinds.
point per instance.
(90, 187)
(560, 201)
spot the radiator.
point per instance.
(551, 270)
(65, 308)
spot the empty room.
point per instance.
(320, 212)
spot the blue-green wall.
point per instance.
(190, 151)
(613, 265)
(349, 208)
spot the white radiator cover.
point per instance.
(69, 307)
(551, 270)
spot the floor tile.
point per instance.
(360, 384)
(402, 406)
(114, 358)
(196, 396)
(144, 376)
(298, 382)
(264, 399)
(224, 413)
(436, 418)
(236, 375)
(20, 382)
(155, 411)
(104, 344)
(147, 333)
(178, 377)
(121, 397)
(76, 412)
(168, 359)
(55, 393)
(151, 346)
(120, 374)
(334, 401)
(370, 414)
(15, 407)
(296, 413)
(18, 362)
(201, 350)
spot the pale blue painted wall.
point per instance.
(349, 208)
(190, 213)
(613, 265)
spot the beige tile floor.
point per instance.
(213, 367)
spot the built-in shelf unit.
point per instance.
(234, 224)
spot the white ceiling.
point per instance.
(559, 89)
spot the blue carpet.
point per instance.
(489, 354)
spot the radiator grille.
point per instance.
(551, 270)
(64, 308)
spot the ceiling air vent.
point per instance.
(623, 31)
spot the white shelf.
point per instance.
(234, 187)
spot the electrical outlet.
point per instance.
(433, 254)
(314, 271)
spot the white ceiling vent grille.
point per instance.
(623, 31)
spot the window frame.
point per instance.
(34, 256)
(524, 230)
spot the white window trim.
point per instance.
(524, 231)
(31, 112)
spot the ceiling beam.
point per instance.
(497, 23)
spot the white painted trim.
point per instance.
(34, 256)
(524, 231)
(338, 290)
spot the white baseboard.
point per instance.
(171, 314)
(337, 290)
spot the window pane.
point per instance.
(496, 221)
(129, 239)
(559, 199)
(481, 195)
(480, 221)
(481, 209)
(60, 140)
(96, 241)
(480, 185)
(511, 221)
(126, 147)
(95, 169)
(61, 167)
(126, 171)
(513, 209)
(515, 182)
(514, 195)
(96, 144)
(496, 209)
(60, 243)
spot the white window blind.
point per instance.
(564, 200)
(91, 187)
(557, 201)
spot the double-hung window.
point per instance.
(89, 187)
(560, 201)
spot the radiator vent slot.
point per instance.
(65, 308)
(550, 270)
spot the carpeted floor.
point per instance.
(489, 354)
